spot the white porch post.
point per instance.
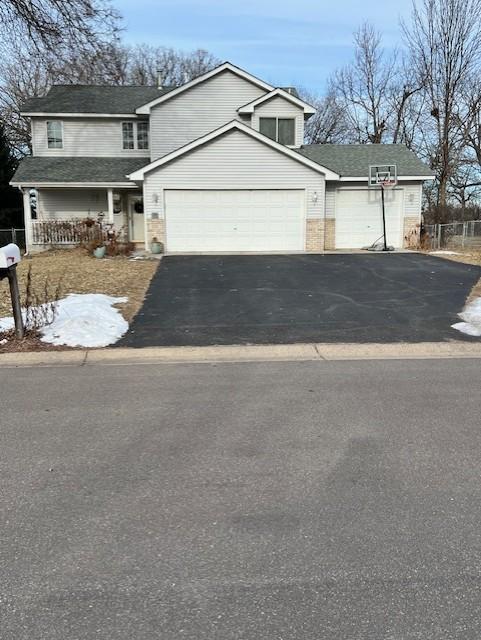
(147, 212)
(27, 216)
(110, 202)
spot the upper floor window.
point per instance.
(135, 135)
(54, 134)
(280, 129)
(142, 135)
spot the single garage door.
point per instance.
(359, 217)
(234, 221)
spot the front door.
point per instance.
(136, 219)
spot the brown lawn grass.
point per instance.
(468, 257)
(79, 272)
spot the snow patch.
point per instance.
(444, 252)
(471, 317)
(82, 320)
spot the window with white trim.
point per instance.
(142, 135)
(281, 130)
(54, 134)
(135, 135)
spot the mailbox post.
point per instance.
(9, 258)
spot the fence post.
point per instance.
(465, 230)
(438, 229)
(14, 236)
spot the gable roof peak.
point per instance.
(224, 66)
(279, 92)
(233, 125)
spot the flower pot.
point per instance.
(156, 247)
(99, 252)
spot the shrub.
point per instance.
(40, 305)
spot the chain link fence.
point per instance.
(455, 235)
(17, 236)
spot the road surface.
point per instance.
(248, 501)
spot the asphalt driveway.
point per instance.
(214, 300)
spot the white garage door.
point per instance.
(234, 221)
(359, 217)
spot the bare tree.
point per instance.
(444, 37)
(24, 75)
(405, 103)
(363, 87)
(327, 125)
(51, 24)
(144, 62)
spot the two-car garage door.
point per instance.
(359, 217)
(263, 220)
(235, 220)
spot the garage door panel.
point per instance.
(359, 218)
(235, 220)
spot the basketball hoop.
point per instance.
(383, 176)
(388, 184)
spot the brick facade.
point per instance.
(320, 233)
(314, 235)
(411, 231)
(330, 234)
(156, 229)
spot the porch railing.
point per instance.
(65, 232)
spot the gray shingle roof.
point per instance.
(35, 170)
(353, 160)
(75, 98)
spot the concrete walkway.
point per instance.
(243, 353)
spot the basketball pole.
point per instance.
(383, 218)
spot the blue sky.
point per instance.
(298, 42)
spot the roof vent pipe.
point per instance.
(159, 79)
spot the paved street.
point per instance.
(273, 501)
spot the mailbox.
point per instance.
(9, 256)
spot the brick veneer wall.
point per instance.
(156, 229)
(330, 234)
(314, 235)
(411, 232)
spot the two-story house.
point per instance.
(215, 165)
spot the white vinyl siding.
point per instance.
(413, 195)
(198, 111)
(234, 161)
(279, 107)
(71, 203)
(91, 137)
(331, 190)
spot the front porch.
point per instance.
(62, 216)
